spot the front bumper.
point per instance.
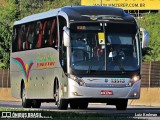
(76, 91)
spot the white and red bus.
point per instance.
(76, 55)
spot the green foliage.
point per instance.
(6, 21)
(151, 23)
(37, 6)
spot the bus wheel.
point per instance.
(74, 105)
(83, 105)
(26, 103)
(36, 104)
(122, 104)
(62, 104)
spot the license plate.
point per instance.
(106, 92)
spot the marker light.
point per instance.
(65, 88)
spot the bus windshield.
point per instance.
(101, 48)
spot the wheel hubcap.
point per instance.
(23, 95)
(57, 96)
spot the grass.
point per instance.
(10, 109)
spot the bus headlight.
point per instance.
(134, 79)
(78, 80)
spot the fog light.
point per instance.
(130, 84)
(135, 94)
(75, 93)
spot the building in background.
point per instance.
(135, 7)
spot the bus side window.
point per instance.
(39, 32)
(50, 38)
(31, 36)
(27, 34)
(53, 41)
(19, 39)
(46, 33)
(35, 34)
(24, 31)
(14, 39)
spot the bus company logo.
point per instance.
(25, 68)
(97, 17)
(92, 17)
(45, 61)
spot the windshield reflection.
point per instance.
(120, 52)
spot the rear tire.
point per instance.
(26, 103)
(122, 104)
(62, 104)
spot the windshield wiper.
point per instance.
(120, 56)
(120, 64)
(121, 67)
(89, 68)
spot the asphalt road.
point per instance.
(134, 111)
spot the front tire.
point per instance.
(78, 105)
(26, 103)
(122, 104)
(74, 105)
(36, 104)
(62, 104)
(83, 105)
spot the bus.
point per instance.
(76, 55)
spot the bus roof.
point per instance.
(78, 13)
(38, 16)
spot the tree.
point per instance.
(151, 23)
(35, 6)
(6, 20)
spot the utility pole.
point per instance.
(101, 3)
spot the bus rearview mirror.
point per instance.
(66, 37)
(145, 37)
